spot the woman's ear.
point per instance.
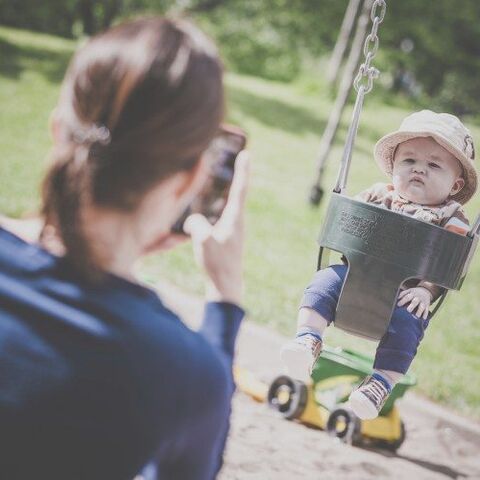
(457, 186)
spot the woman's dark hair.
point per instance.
(139, 103)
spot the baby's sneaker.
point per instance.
(370, 396)
(300, 354)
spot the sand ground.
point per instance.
(264, 446)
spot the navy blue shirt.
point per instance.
(97, 381)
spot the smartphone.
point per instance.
(222, 153)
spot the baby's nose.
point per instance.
(419, 168)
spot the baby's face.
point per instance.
(425, 173)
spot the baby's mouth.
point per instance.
(417, 180)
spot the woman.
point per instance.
(97, 376)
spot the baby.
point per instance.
(430, 161)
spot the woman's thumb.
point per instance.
(197, 226)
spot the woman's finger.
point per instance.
(233, 212)
(198, 227)
(420, 309)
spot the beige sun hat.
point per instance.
(447, 130)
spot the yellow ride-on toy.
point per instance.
(321, 403)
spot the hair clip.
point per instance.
(94, 134)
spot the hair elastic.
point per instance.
(94, 134)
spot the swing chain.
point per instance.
(370, 49)
(370, 73)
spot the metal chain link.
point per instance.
(366, 72)
(363, 84)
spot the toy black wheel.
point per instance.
(316, 195)
(345, 425)
(288, 396)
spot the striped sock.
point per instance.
(381, 378)
(308, 331)
(390, 376)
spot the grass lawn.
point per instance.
(284, 123)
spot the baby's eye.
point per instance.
(408, 161)
(434, 165)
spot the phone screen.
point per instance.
(222, 152)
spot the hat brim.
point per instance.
(385, 149)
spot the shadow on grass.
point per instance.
(14, 59)
(296, 120)
(276, 113)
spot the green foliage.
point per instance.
(251, 45)
(270, 38)
(54, 16)
(446, 46)
(70, 18)
(459, 93)
(273, 38)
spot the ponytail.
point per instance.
(65, 192)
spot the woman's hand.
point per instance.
(218, 248)
(419, 298)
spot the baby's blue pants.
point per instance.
(398, 346)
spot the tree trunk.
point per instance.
(112, 8)
(87, 16)
(342, 41)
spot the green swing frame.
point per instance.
(383, 249)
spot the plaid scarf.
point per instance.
(449, 214)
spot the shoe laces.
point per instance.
(311, 342)
(375, 390)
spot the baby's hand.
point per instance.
(418, 297)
